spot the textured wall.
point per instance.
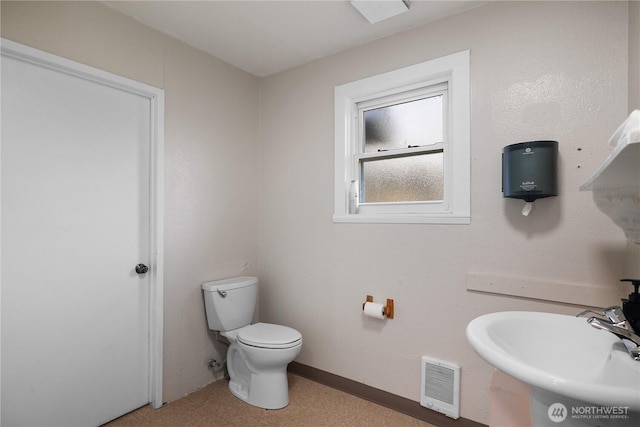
(634, 55)
(211, 163)
(539, 70)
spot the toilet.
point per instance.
(258, 354)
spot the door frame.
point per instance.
(156, 232)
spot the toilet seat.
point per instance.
(268, 335)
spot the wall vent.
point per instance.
(440, 387)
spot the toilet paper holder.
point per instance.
(387, 309)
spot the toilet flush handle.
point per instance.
(222, 293)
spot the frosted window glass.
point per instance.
(403, 179)
(398, 126)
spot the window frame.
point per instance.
(361, 155)
(453, 70)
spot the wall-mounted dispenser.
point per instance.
(631, 305)
(530, 171)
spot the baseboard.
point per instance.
(389, 400)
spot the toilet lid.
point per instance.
(268, 335)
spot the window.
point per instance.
(402, 144)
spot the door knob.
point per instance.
(141, 268)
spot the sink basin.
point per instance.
(559, 354)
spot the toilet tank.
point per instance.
(230, 303)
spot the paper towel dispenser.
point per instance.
(530, 170)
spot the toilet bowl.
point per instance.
(257, 361)
(258, 353)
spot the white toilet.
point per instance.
(258, 354)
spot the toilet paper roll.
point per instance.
(375, 310)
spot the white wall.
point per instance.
(211, 165)
(634, 55)
(540, 70)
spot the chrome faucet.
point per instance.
(616, 323)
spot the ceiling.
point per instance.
(265, 36)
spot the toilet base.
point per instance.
(258, 374)
(267, 390)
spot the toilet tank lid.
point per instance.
(231, 283)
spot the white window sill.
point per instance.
(402, 219)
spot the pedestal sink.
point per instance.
(580, 374)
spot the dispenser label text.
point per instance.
(528, 185)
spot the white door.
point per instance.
(76, 220)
